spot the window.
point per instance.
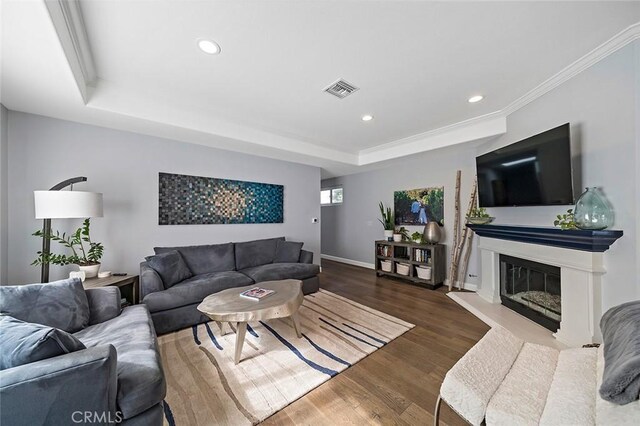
(329, 197)
(325, 197)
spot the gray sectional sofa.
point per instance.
(66, 351)
(177, 279)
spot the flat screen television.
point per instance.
(533, 172)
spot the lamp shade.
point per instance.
(67, 204)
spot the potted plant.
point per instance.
(387, 221)
(401, 234)
(478, 216)
(87, 257)
(416, 237)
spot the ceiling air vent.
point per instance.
(341, 89)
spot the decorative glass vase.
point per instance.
(593, 211)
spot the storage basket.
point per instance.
(402, 268)
(385, 265)
(424, 272)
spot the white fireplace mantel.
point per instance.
(580, 280)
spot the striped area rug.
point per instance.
(205, 387)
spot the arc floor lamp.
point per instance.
(58, 204)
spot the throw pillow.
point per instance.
(287, 252)
(24, 342)
(256, 252)
(61, 304)
(170, 266)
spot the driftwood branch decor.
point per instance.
(469, 239)
(456, 228)
(461, 239)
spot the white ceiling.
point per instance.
(416, 63)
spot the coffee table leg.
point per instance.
(221, 327)
(242, 330)
(296, 324)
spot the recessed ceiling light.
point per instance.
(367, 117)
(475, 99)
(209, 47)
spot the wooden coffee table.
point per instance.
(228, 306)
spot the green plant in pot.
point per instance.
(387, 221)
(416, 237)
(478, 216)
(401, 234)
(84, 252)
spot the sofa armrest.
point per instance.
(306, 256)
(61, 389)
(104, 304)
(150, 281)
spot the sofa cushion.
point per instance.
(287, 252)
(61, 304)
(25, 342)
(194, 290)
(467, 388)
(141, 383)
(206, 258)
(282, 271)
(170, 266)
(255, 253)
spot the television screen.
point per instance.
(533, 172)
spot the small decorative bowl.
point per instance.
(480, 220)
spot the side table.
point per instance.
(128, 284)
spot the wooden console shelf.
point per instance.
(413, 255)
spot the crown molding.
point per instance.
(66, 16)
(431, 133)
(485, 126)
(610, 46)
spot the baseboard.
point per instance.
(465, 286)
(348, 261)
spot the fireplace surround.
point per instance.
(579, 256)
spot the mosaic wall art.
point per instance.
(195, 200)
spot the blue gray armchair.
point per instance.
(115, 376)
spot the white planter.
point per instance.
(402, 268)
(424, 272)
(388, 234)
(397, 238)
(385, 265)
(90, 271)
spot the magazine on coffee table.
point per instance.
(256, 293)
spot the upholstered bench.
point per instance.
(503, 380)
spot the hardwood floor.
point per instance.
(398, 384)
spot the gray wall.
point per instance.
(124, 167)
(602, 105)
(4, 205)
(349, 229)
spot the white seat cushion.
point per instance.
(571, 396)
(521, 397)
(608, 413)
(469, 385)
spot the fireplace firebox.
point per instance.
(532, 289)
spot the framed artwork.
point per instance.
(419, 206)
(196, 200)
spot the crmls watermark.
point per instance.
(89, 417)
